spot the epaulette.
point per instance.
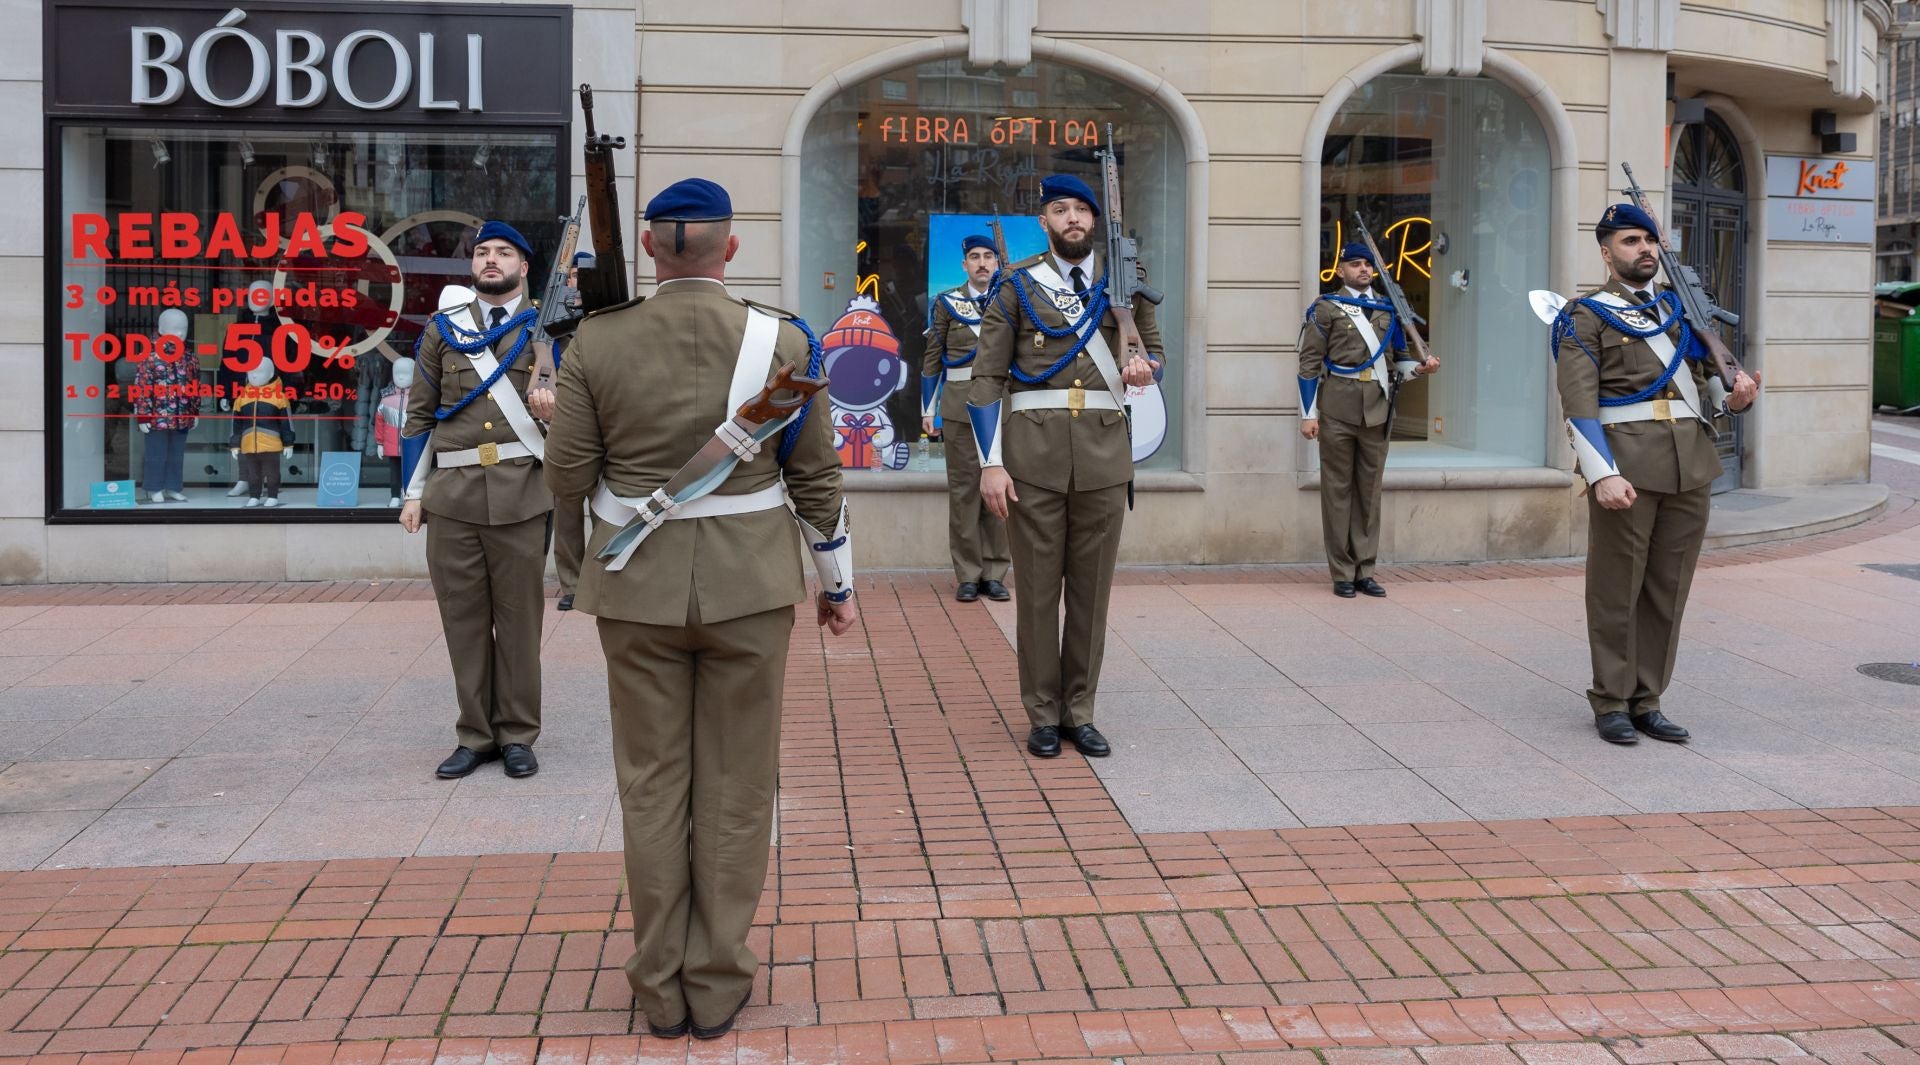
(777, 312)
(634, 302)
(1029, 262)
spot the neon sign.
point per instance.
(1003, 130)
(1409, 252)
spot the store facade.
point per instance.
(1478, 138)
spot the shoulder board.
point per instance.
(634, 302)
(1029, 262)
(771, 309)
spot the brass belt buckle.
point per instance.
(1364, 375)
(1076, 400)
(489, 454)
(1662, 410)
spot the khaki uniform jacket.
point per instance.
(1333, 336)
(642, 388)
(1052, 448)
(1673, 456)
(510, 491)
(949, 337)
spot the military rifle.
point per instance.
(1695, 305)
(999, 249)
(1402, 310)
(1123, 262)
(556, 317)
(604, 284)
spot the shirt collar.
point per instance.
(976, 293)
(486, 309)
(680, 280)
(1066, 268)
(1353, 293)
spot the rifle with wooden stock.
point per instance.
(603, 284)
(1703, 316)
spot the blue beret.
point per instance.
(1065, 187)
(691, 200)
(977, 241)
(1357, 251)
(497, 230)
(1625, 216)
(584, 258)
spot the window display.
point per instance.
(900, 169)
(1451, 175)
(236, 307)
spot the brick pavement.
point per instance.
(937, 897)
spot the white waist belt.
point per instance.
(960, 373)
(619, 510)
(1063, 399)
(484, 455)
(1353, 372)
(1647, 410)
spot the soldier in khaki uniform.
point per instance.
(1344, 376)
(477, 488)
(1638, 412)
(1062, 486)
(976, 539)
(696, 628)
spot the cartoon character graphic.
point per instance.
(863, 362)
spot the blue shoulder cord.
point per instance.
(816, 358)
(1394, 338)
(467, 343)
(1094, 309)
(1683, 348)
(980, 304)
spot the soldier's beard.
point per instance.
(500, 286)
(1638, 272)
(1068, 248)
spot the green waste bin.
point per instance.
(1896, 345)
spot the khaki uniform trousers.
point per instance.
(1351, 460)
(976, 539)
(569, 542)
(1063, 541)
(490, 583)
(1640, 564)
(696, 753)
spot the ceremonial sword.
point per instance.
(757, 420)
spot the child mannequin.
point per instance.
(258, 308)
(262, 434)
(388, 418)
(166, 411)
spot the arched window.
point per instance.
(898, 169)
(1451, 175)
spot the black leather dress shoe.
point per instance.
(674, 1032)
(1088, 741)
(520, 760)
(1044, 741)
(1369, 586)
(1655, 724)
(463, 761)
(1615, 728)
(996, 591)
(701, 1031)
(967, 592)
(1343, 589)
(566, 602)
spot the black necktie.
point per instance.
(1079, 279)
(1642, 296)
(498, 315)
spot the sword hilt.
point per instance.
(787, 392)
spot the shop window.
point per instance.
(890, 189)
(1451, 175)
(326, 347)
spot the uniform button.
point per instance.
(1076, 382)
(487, 425)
